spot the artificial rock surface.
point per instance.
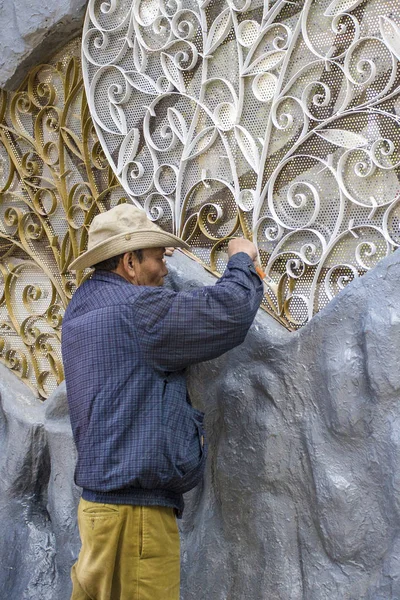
(301, 495)
(31, 30)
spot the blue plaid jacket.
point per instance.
(125, 349)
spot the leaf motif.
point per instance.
(338, 7)
(139, 56)
(71, 76)
(218, 31)
(142, 83)
(264, 86)
(128, 149)
(118, 117)
(172, 73)
(343, 138)
(72, 141)
(248, 147)
(265, 62)
(391, 35)
(201, 142)
(178, 124)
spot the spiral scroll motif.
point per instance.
(53, 179)
(278, 121)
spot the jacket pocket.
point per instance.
(185, 443)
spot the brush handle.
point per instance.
(260, 272)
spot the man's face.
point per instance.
(152, 270)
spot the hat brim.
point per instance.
(126, 242)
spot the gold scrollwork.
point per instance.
(54, 179)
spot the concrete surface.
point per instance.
(32, 30)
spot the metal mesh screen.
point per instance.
(274, 120)
(53, 179)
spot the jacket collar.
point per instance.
(109, 277)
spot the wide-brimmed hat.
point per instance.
(122, 229)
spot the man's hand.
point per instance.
(241, 245)
(169, 251)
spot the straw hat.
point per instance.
(122, 229)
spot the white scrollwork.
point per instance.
(279, 123)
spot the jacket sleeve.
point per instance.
(177, 329)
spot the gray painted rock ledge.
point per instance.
(31, 30)
(301, 495)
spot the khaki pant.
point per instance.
(128, 553)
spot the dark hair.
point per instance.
(110, 264)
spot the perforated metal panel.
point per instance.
(274, 120)
(53, 180)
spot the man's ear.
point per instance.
(128, 265)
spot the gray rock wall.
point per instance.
(31, 30)
(39, 538)
(301, 494)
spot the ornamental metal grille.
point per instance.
(54, 179)
(276, 120)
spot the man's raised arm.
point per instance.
(177, 329)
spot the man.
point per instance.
(126, 342)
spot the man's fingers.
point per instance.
(242, 245)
